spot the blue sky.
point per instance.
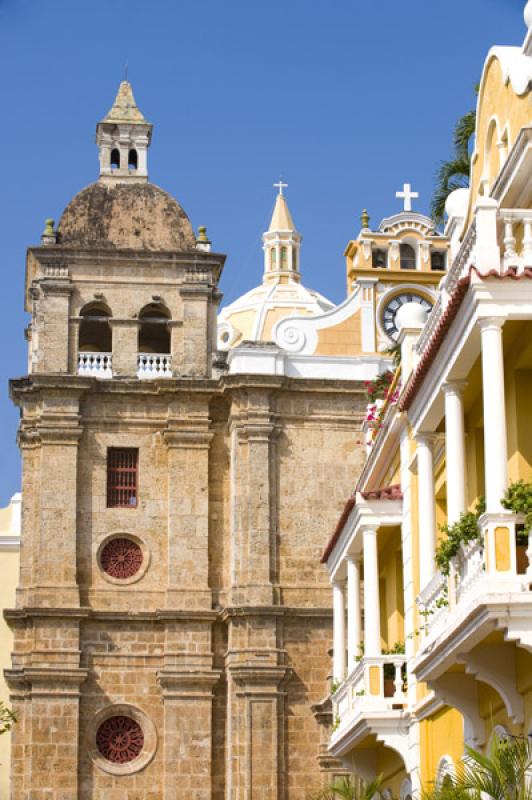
(346, 100)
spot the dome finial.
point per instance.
(365, 218)
(49, 235)
(123, 138)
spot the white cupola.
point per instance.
(123, 138)
(281, 243)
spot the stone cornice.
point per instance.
(188, 439)
(187, 683)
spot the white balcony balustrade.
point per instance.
(97, 365)
(500, 563)
(377, 684)
(154, 365)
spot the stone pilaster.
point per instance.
(196, 317)
(254, 513)
(256, 735)
(125, 347)
(45, 692)
(51, 322)
(188, 441)
(49, 551)
(187, 700)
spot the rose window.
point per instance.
(121, 558)
(120, 739)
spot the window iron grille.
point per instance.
(122, 477)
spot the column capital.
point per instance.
(491, 323)
(454, 387)
(368, 530)
(352, 558)
(425, 439)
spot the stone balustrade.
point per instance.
(97, 365)
(154, 365)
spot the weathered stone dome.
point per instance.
(136, 216)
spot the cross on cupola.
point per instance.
(407, 195)
(281, 242)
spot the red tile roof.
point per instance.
(416, 379)
(386, 493)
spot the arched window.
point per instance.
(115, 159)
(154, 334)
(379, 259)
(273, 258)
(438, 260)
(95, 335)
(132, 160)
(408, 256)
(284, 257)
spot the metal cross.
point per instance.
(280, 186)
(407, 195)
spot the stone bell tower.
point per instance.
(172, 623)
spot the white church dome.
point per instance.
(281, 293)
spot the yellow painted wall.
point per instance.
(391, 587)
(274, 315)
(440, 735)
(511, 112)
(343, 339)
(9, 560)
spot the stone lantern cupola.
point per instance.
(123, 138)
(281, 243)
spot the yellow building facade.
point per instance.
(9, 557)
(433, 643)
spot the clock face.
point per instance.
(392, 307)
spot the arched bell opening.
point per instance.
(133, 160)
(115, 158)
(95, 334)
(154, 333)
(408, 258)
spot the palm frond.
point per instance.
(501, 774)
(350, 788)
(463, 133)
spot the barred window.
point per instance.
(122, 475)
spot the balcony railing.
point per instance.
(474, 574)
(154, 365)
(97, 365)
(506, 223)
(378, 683)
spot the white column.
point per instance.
(455, 450)
(426, 509)
(495, 441)
(372, 615)
(338, 631)
(353, 612)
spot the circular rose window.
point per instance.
(120, 739)
(121, 558)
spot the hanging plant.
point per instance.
(463, 531)
(378, 387)
(518, 498)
